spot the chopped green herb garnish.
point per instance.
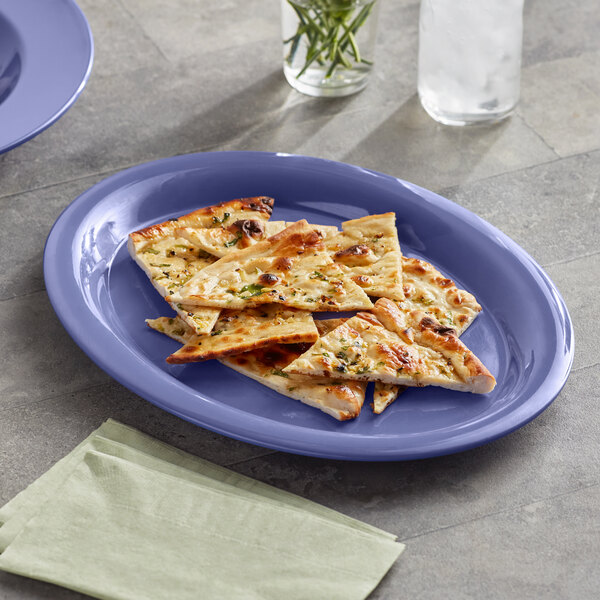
(216, 220)
(233, 242)
(317, 275)
(183, 246)
(363, 370)
(150, 251)
(279, 373)
(217, 332)
(342, 355)
(326, 354)
(161, 265)
(254, 289)
(341, 368)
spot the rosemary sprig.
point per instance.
(328, 29)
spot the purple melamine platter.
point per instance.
(523, 335)
(46, 54)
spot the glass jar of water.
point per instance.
(470, 59)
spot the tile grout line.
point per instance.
(215, 146)
(144, 32)
(245, 460)
(572, 259)
(500, 512)
(577, 369)
(443, 191)
(64, 182)
(60, 395)
(538, 135)
(25, 295)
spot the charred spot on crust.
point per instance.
(361, 279)
(457, 299)
(268, 279)
(356, 250)
(397, 357)
(273, 356)
(283, 263)
(369, 318)
(249, 227)
(444, 282)
(258, 203)
(429, 323)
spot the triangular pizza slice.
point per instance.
(394, 347)
(170, 260)
(340, 399)
(290, 268)
(241, 234)
(426, 289)
(369, 251)
(238, 331)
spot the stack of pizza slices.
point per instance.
(248, 292)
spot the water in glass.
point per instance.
(470, 59)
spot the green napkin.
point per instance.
(133, 518)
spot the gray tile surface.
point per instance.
(28, 432)
(561, 99)
(527, 552)
(559, 29)
(555, 454)
(552, 210)
(514, 519)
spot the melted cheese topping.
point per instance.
(340, 399)
(241, 331)
(426, 289)
(362, 348)
(221, 240)
(369, 250)
(291, 269)
(169, 263)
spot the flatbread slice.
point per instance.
(170, 261)
(394, 347)
(240, 331)
(241, 234)
(426, 289)
(340, 399)
(369, 251)
(290, 268)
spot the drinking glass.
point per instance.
(470, 59)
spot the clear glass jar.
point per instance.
(470, 59)
(328, 45)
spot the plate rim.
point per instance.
(55, 113)
(519, 417)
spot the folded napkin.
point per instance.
(126, 516)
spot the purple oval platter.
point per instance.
(46, 55)
(523, 335)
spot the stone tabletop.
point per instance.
(517, 518)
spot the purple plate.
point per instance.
(46, 53)
(524, 334)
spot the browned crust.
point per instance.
(296, 239)
(203, 217)
(429, 332)
(456, 296)
(192, 353)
